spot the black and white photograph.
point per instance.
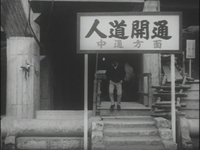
(99, 75)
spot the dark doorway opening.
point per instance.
(129, 94)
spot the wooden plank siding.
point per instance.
(13, 19)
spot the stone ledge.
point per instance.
(46, 143)
(169, 145)
(97, 136)
(97, 126)
(98, 147)
(162, 122)
(165, 134)
(43, 128)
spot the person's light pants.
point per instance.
(112, 86)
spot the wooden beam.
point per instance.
(134, 1)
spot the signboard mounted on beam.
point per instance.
(129, 32)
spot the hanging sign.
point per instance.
(190, 49)
(128, 32)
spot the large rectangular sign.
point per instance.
(129, 32)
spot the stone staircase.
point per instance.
(131, 133)
(127, 109)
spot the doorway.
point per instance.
(130, 93)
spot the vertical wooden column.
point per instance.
(22, 85)
(151, 62)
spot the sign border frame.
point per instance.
(128, 51)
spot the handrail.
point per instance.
(99, 76)
(149, 84)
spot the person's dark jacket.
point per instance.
(115, 75)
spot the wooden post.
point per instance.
(183, 62)
(149, 90)
(173, 111)
(86, 102)
(190, 67)
(94, 97)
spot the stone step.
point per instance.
(156, 94)
(47, 143)
(194, 86)
(132, 140)
(126, 112)
(127, 123)
(194, 94)
(135, 118)
(127, 109)
(191, 103)
(122, 132)
(61, 114)
(136, 147)
(168, 87)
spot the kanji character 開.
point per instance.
(143, 31)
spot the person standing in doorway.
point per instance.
(115, 75)
(128, 81)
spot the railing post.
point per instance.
(178, 131)
(149, 89)
(85, 144)
(173, 113)
(140, 88)
(94, 97)
(98, 92)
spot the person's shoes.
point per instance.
(112, 107)
(118, 107)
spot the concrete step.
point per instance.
(156, 94)
(136, 147)
(126, 112)
(134, 118)
(123, 132)
(127, 109)
(193, 94)
(191, 103)
(128, 123)
(61, 114)
(47, 143)
(132, 140)
(194, 86)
